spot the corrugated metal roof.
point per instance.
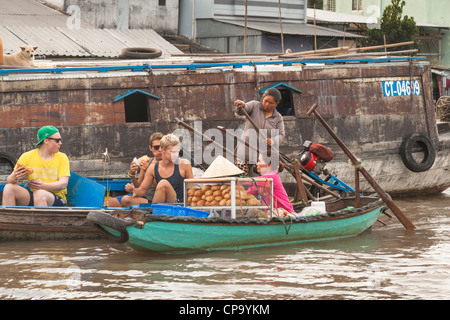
(30, 22)
(32, 13)
(302, 29)
(60, 42)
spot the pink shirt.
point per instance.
(280, 197)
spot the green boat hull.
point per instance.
(182, 234)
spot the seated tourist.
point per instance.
(141, 167)
(169, 175)
(46, 170)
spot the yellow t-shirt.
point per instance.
(47, 171)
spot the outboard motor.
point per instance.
(314, 156)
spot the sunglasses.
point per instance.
(156, 147)
(56, 140)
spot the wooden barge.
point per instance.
(373, 104)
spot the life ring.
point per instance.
(140, 53)
(100, 219)
(406, 152)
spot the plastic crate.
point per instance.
(178, 211)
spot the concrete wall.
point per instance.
(125, 14)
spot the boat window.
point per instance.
(286, 106)
(137, 108)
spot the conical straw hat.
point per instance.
(221, 167)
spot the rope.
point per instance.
(262, 197)
(357, 166)
(284, 223)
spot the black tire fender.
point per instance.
(140, 53)
(406, 152)
(100, 218)
(6, 157)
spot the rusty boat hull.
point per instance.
(372, 104)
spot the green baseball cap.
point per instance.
(45, 132)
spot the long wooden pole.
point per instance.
(206, 139)
(1, 51)
(344, 49)
(386, 198)
(245, 29)
(287, 165)
(281, 27)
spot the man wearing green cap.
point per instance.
(49, 177)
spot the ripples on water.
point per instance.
(387, 262)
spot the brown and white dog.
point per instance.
(22, 58)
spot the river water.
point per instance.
(386, 262)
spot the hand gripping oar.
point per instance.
(386, 198)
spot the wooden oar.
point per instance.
(1, 51)
(283, 158)
(288, 166)
(206, 139)
(238, 138)
(386, 198)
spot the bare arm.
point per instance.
(49, 186)
(146, 183)
(187, 169)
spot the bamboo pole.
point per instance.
(1, 51)
(281, 27)
(245, 29)
(288, 165)
(344, 49)
(206, 139)
(382, 46)
(305, 53)
(315, 35)
(386, 198)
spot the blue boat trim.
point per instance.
(280, 84)
(130, 92)
(147, 68)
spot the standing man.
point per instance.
(47, 171)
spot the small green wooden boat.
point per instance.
(180, 234)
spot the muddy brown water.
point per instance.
(386, 262)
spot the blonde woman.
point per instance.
(169, 174)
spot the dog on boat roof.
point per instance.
(22, 58)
